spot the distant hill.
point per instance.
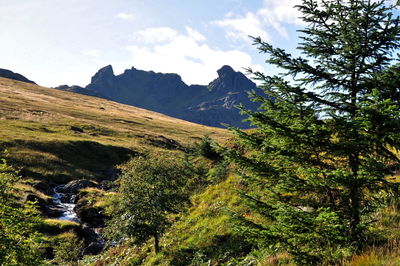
(209, 105)
(80, 90)
(5, 73)
(58, 136)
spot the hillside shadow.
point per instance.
(62, 161)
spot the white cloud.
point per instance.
(155, 35)
(194, 34)
(125, 16)
(274, 14)
(186, 55)
(242, 27)
(277, 12)
(91, 52)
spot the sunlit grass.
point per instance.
(35, 127)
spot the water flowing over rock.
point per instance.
(64, 202)
(65, 206)
(76, 185)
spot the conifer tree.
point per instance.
(317, 164)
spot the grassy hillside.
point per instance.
(58, 136)
(54, 137)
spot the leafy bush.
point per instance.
(19, 240)
(68, 248)
(205, 148)
(150, 189)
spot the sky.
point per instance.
(56, 42)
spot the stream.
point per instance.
(67, 209)
(66, 204)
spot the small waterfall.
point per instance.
(65, 202)
(67, 208)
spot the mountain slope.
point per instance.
(166, 93)
(58, 136)
(5, 73)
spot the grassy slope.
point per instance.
(35, 127)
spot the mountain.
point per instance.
(60, 136)
(80, 90)
(209, 105)
(5, 73)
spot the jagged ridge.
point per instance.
(209, 105)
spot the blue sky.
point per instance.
(56, 42)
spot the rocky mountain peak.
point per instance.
(230, 80)
(166, 93)
(103, 82)
(225, 70)
(104, 73)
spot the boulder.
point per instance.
(76, 129)
(88, 234)
(91, 215)
(93, 248)
(52, 211)
(43, 187)
(111, 173)
(74, 186)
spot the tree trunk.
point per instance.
(354, 197)
(156, 243)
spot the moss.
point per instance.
(58, 227)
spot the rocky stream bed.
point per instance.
(91, 220)
(67, 204)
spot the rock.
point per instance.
(74, 186)
(90, 215)
(52, 211)
(76, 129)
(49, 209)
(43, 187)
(111, 173)
(166, 93)
(103, 82)
(87, 233)
(93, 248)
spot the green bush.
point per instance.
(19, 240)
(68, 248)
(150, 189)
(205, 148)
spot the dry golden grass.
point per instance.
(386, 255)
(55, 110)
(35, 127)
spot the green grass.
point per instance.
(203, 234)
(35, 128)
(56, 227)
